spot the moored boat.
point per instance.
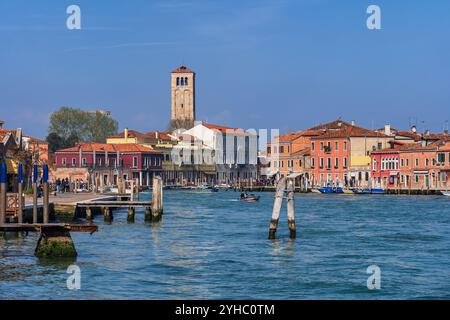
(331, 190)
(446, 193)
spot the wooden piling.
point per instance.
(46, 203)
(291, 208)
(148, 214)
(107, 214)
(89, 215)
(20, 203)
(35, 203)
(54, 242)
(131, 214)
(281, 186)
(157, 203)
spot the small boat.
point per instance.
(331, 190)
(315, 191)
(249, 198)
(214, 189)
(369, 191)
(446, 193)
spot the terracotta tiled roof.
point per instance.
(411, 147)
(105, 147)
(131, 134)
(408, 134)
(3, 133)
(182, 69)
(161, 135)
(341, 129)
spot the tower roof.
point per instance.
(183, 69)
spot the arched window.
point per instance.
(178, 81)
(185, 81)
(182, 81)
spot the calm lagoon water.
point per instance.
(211, 246)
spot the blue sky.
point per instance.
(286, 64)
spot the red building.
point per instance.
(107, 161)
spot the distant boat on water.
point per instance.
(446, 193)
(370, 191)
(331, 190)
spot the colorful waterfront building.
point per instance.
(340, 154)
(289, 155)
(423, 165)
(105, 163)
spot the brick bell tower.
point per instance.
(183, 97)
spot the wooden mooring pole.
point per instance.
(157, 202)
(20, 191)
(35, 178)
(284, 185)
(46, 193)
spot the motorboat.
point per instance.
(249, 198)
(327, 190)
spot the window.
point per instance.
(407, 162)
(275, 149)
(83, 162)
(427, 162)
(281, 149)
(402, 162)
(135, 162)
(182, 82)
(336, 162)
(345, 145)
(64, 162)
(113, 162)
(268, 150)
(417, 162)
(329, 145)
(321, 162)
(313, 146)
(336, 146)
(185, 81)
(178, 81)
(380, 145)
(313, 162)
(417, 178)
(441, 157)
(374, 164)
(300, 163)
(328, 163)
(345, 162)
(74, 162)
(321, 146)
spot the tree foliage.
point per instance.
(69, 126)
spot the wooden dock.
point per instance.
(27, 227)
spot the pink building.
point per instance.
(107, 161)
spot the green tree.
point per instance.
(74, 125)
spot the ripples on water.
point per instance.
(211, 246)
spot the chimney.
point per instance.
(387, 129)
(413, 129)
(125, 133)
(157, 135)
(1, 124)
(353, 123)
